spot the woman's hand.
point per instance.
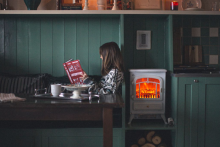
(84, 76)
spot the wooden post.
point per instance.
(107, 127)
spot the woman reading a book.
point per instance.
(112, 70)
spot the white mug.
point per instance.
(55, 89)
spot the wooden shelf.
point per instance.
(138, 124)
(64, 12)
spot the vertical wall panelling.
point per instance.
(22, 45)
(130, 42)
(121, 30)
(58, 47)
(109, 30)
(140, 55)
(46, 45)
(70, 39)
(115, 31)
(94, 44)
(152, 25)
(159, 45)
(34, 45)
(10, 45)
(1, 44)
(82, 42)
(43, 44)
(169, 45)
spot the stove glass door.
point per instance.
(148, 88)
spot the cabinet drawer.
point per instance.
(148, 106)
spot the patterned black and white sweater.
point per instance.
(108, 84)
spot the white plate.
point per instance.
(197, 4)
(193, 9)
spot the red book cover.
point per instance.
(74, 71)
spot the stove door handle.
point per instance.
(196, 81)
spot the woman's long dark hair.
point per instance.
(112, 57)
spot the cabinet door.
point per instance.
(187, 112)
(209, 111)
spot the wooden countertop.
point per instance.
(39, 108)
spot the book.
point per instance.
(74, 71)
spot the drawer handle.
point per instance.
(196, 81)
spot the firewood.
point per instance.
(149, 136)
(134, 145)
(162, 145)
(141, 141)
(156, 139)
(148, 145)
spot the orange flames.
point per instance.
(148, 88)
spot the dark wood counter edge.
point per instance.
(118, 103)
(195, 75)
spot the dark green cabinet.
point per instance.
(198, 124)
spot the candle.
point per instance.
(173, 5)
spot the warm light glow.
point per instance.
(148, 88)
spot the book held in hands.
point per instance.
(74, 71)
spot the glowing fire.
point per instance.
(148, 88)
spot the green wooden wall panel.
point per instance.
(169, 44)
(115, 31)
(34, 46)
(106, 30)
(159, 46)
(129, 39)
(94, 44)
(82, 42)
(70, 39)
(22, 45)
(139, 55)
(2, 50)
(152, 25)
(58, 47)
(20, 138)
(46, 45)
(78, 137)
(10, 45)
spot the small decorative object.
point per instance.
(143, 40)
(101, 4)
(191, 5)
(86, 5)
(148, 4)
(214, 6)
(174, 5)
(32, 4)
(127, 5)
(115, 7)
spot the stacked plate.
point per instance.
(192, 5)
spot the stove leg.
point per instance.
(164, 118)
(131, 117)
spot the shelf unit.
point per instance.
(63, 12)
(126, 22)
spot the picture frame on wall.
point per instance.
(143, 40)
(148, 4)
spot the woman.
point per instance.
(112, 70)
